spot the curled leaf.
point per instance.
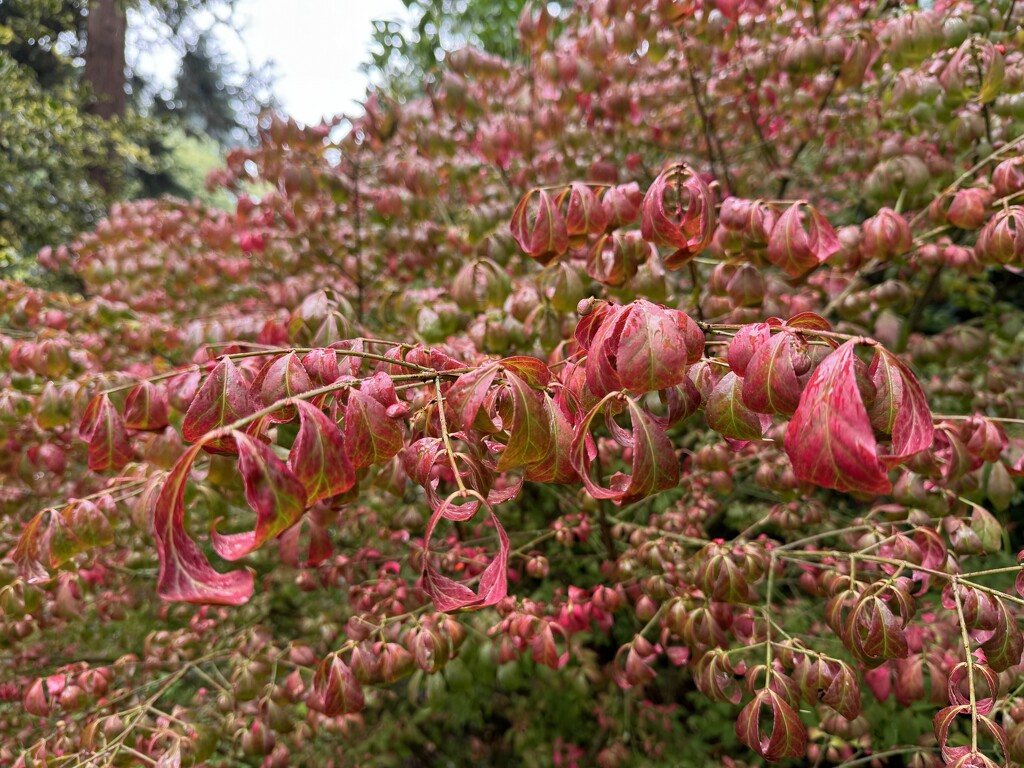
(585, 215)
(335, 688)
(642, 347)
(776, 374)
(450, 595)
(185, 575)
(273, 491)
(900, 407)
(728, 414)
(538, 226)
(679, 212)
(655, 467)
(281, 378)
(370, 435)
(528, 426)
(146, 407)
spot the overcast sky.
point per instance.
(316, 46)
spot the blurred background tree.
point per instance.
(82, 127)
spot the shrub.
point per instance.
(652, 401)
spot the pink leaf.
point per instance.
(370, 435)
(787, 737)
(773, 380)
(642, 347)
(679, 212)
(655, 467)
(728, 414)
(538, 226)
(280, 379)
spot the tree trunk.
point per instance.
(104, 57)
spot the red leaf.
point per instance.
(426, 461)
(715, 677)
(543, 649)
(450, 595)
(185, 574)
(787, 738)
(103, 428)
(614, 259)
(829, 440)
(222, 400)
(843, 693)
(1006, 645)
(682, 401)
(318, 457)
(622, 204)
(322, 366)
(276, 495)
(146, 407)
(642, 347)
(810, 321)
(655, 467)
(35, 700)
(747, 341)
(943, 720)
(900, 407)
(556, 466)
(181, 389)
(29, 553)
(370, 436)
(795, 249)
(874, 634)
(382, 389)
(958, 686)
